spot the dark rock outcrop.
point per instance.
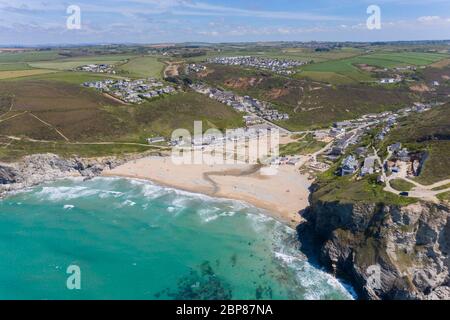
(35, 169)
(7, 175)
(385, 251)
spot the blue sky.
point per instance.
(32, 22)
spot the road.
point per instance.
(89, 143)
(420, 191)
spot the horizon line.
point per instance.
(207, 43)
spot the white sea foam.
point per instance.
(209, 214)
(60, 193)
(128, 203)
(227, 214)
(317, 282)
(65, 193)
(106, 194)
(181, 202)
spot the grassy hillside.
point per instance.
(142, 67)
(330, 188)
(162, 116)
(309, 104)
(430, 132)
(306, 145)
(54, 116)
(17, 149)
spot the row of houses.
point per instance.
(350, 165)
(132, 91)
(413, 161)
(281, 66)
(401, 157)
(97, 68)
(390, 122)
(278, 161)
(195, 68)
(342, 143)
(388, 119)
(390, 80)
(231, 135)
(254, 107)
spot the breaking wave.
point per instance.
(149, 206)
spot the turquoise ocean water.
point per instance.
(135, 240)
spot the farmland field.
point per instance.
(291, 53)
(342, 71)
(68, 77)
(14, 66)
(346, 70)
(142, 67)
(22, 73)
(29, 56)
(68, 64)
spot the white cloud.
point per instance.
(429, 18)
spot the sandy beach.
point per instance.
(282, 195)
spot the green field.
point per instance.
(347, 70)
(142, 67)
(304, 146)
(444, 196)
(390, 60)
(303, 54)
(401, 185)
(29, 56)
(68, 64)
(75, 78)
(14, 66)
(342, 71)
(23, 73)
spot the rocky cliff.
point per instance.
(39, 168)
(385, 251)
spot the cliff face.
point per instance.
(39, 168)
(385, 251)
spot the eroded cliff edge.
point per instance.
(39, 168)
(384, 251)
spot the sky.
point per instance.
(44, 22)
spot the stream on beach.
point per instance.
(132, 239)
